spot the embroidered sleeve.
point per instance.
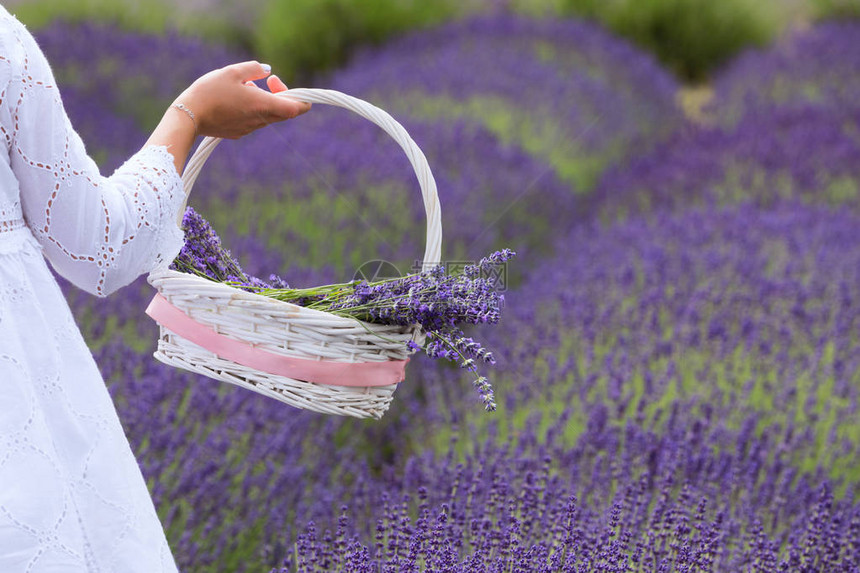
(98, 232)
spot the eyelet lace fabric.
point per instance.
(72, 497)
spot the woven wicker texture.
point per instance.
(287, 329)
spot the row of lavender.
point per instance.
(700, 406)
(679, 389)
(783, 125)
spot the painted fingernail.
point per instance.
(267, 68)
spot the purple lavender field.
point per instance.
(678, 366)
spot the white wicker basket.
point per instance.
(276, 330)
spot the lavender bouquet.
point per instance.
(438, 301)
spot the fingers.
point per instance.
(275, 84)
(292, 107)
(286, 108)
(250, 71)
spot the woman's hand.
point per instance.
(223, 103)
(226, 102)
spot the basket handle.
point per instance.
(432, 252)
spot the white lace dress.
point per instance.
(72, 497)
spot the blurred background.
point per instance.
(305, 37)
(678, 370)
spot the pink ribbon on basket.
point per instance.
(320, 372)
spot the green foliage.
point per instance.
(149, 17)
(299, 37)
(835, 9)
(153, 16)
(693, 37)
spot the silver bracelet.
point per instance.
(181, 107)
